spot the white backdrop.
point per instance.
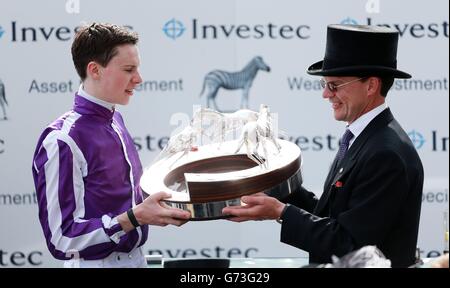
(39, 79)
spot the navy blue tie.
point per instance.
(343, 146)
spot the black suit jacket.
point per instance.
(372, 197)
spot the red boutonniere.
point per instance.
(338, 184)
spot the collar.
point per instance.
(359, 124)
(86, 104)
(94, 99)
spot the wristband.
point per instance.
(132, 218)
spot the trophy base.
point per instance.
(213, 210)
(213, 177)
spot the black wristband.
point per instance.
(132, 218)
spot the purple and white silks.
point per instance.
(86, 172)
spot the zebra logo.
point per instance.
(3, 102)
(231, 81)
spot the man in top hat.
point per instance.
(372, 194)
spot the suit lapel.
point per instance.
(342, 168)
(338, 170)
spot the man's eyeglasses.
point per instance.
(333, 87)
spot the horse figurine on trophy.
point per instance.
(255, 134)
(221, 123)
(183, 141)
(256, 128)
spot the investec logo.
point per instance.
(197, 30)
(25, 33)
(417, 139)
(436, 141)
(416, 30)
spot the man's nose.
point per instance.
(137, 78)
(327, 93)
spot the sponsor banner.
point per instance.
(190, 53)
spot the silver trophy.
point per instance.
(243, 156)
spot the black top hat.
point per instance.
(359, 50)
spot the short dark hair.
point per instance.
(98, 42)
(386, 83)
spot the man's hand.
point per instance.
(258, 206)
(155, 212)
(152, 211)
